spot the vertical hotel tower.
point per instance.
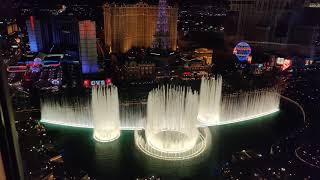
(88, 46)
(34, 34)
(38, 33)
(135, 25)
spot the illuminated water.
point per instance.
(122, 160)
(71, 112)
(77, 112)
(133, 115)
(174, 115)
(210, 101)
(215, 109)
(248, 105)
(171, 119)
(105, 113)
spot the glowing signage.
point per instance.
(242, 51)
(17, 69)
(108, 81)
(86, 83)
(98, 83)
(91, 83)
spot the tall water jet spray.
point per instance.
(210, 100)
(171, 131)
(73, 112)
(171, 119)
(133, 115)
(105, 113)
(249, 105)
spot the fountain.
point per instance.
(105, 113)
(73, 112)
(77, 112)
(132, 115)
(210, 100)
(249, 105)
(215, 109)
(172, 125)
(171, 131)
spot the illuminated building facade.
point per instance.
(162, 40)
(12, 27)
(38, 33)
(128, 26)
(198, 69)
(48, 33)
(141, 71)
(8, 28)
(88, 46)
(204, 54)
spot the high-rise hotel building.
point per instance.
(38, 33)
(134, 25)
(88, 46)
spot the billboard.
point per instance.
(242, 51)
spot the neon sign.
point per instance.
(90, 83)
(242, 51)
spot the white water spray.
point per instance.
(210, 100)
(74, 112)
(171, 119)
(249, 105)
(133, 115)
(105, 113)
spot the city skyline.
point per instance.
(160, 89)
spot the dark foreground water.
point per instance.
(122, 160)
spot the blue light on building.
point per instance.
(242, 51)
(88, 47)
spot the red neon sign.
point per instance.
(108, 81)
(86, 83)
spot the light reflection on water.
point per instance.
(107, 157)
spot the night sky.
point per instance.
(10, 8)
